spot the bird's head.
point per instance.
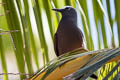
(66, 11)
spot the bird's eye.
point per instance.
(66, 8)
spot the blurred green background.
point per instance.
(27, 29)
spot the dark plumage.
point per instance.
(68, 36)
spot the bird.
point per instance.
(68, 36)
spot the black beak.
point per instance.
(58, 10)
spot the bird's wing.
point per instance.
(84, 43)
(56, 44)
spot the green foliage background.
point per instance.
(32, 44)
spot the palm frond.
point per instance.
(21, 20)
(112, 71)
(99, 62)
(93, 60)
(117, 77)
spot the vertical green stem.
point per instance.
(38, 17)
(13, 24)
(47, 9)
(117, 9)
(2, 58)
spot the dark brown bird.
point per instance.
(68, 36)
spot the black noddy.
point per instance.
(68, 36)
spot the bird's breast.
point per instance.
(70, 37)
